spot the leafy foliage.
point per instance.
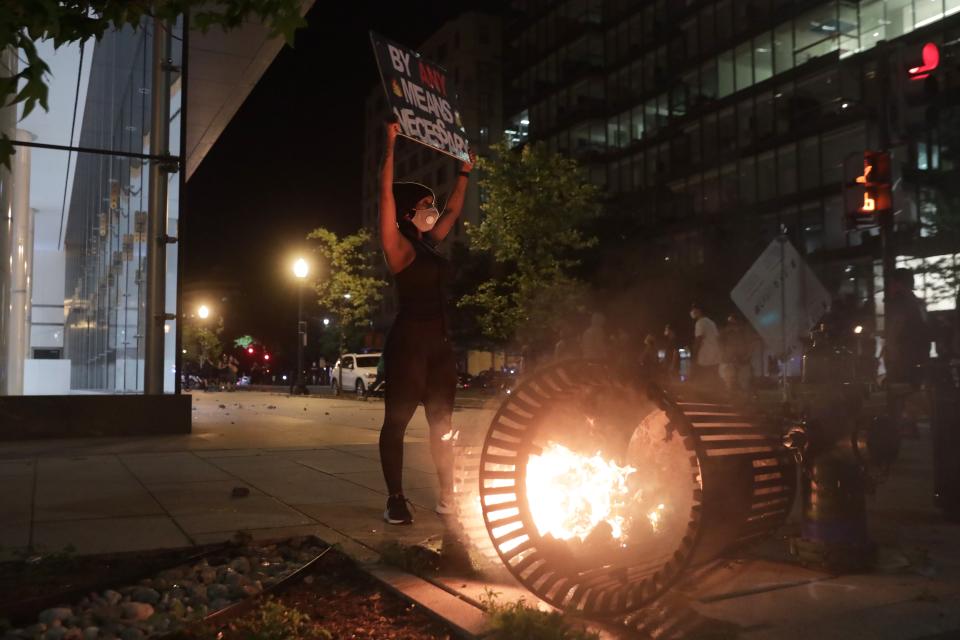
(23, 24)
(517, 621)
(348, 271)
(276, 621)
(537, 204)
(201, 342)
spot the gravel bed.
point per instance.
(173, 598)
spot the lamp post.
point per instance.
(203, 312)
(300, 269)
(346, 296)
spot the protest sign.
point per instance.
(422, 97)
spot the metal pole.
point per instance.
(783, 318)
(300, 388)
(157, 211)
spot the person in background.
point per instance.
(706, 349)
(671, 361)
(736, 348)
(567, 345)
(649, 356)
(906, 347)
(593, 343)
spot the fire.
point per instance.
(570, 494)
(655, 516)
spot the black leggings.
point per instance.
(420, 367)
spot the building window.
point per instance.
(783, 48)
(725, 74)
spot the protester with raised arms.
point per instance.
(418, 357)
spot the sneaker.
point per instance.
(445, 506)
(397, 511)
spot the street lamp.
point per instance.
(343, 339)
(300, 269)
(203, 312)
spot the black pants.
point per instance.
(420, 367)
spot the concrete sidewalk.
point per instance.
(310, 465)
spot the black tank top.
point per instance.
(421, 285)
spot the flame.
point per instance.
(570, 494)
(654, 517)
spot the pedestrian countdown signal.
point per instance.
(869, 193)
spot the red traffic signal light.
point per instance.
(931, 60)
(266, 356)
(250, 350)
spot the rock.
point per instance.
(250, 590)
(106, 613)
(136, 610)
(219, 603)
(145, 594)
(112, 597)
(199, 592)
(91, 633)
(240, 565)
(54, 633)
(131, 633)
(217, 591)
(48, 616)
(208, 575)
(177, 609)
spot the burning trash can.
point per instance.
(597, 494)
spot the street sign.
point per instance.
(422, 97)
(782, 320)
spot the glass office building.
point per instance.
(73, 248)
(710, 119)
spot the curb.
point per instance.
(465, 619)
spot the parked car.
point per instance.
(359, 371)
(464, 381)
(495, 381)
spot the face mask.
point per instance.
(425, 219)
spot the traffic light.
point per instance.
(250, 350)
(869, 193)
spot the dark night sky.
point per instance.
(291, 158)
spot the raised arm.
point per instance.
(398, 251)
(455, 203)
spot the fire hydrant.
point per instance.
(842, 454)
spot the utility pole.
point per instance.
(885, 216)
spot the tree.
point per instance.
(201, 342)
(349, 286)
(22, 24)
(537, 203)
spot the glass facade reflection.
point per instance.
(82, 190)
(731, 115)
